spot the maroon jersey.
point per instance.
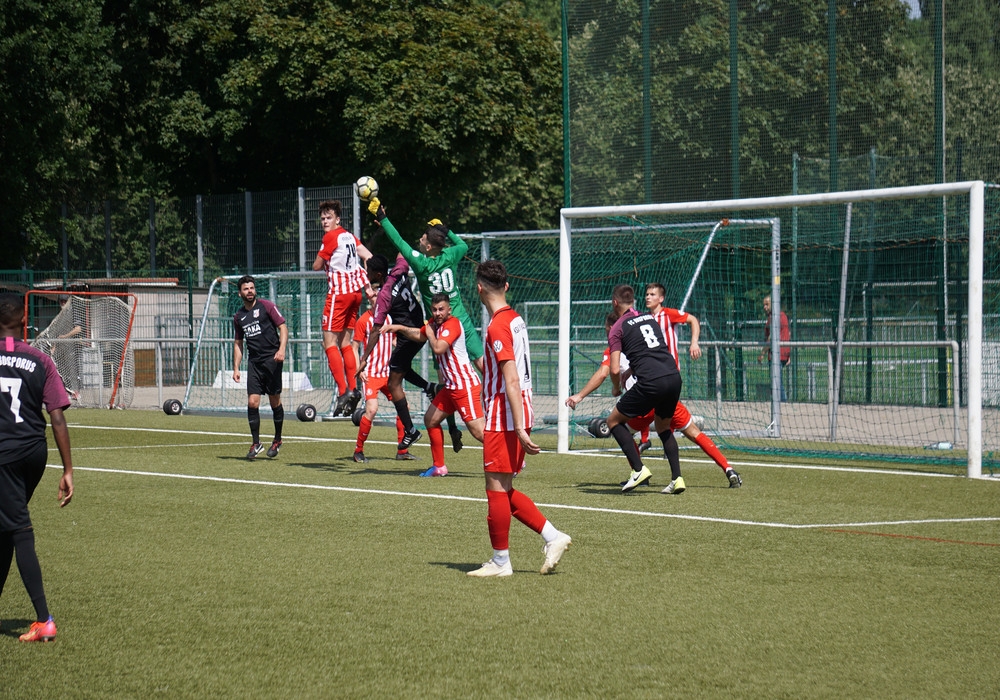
(259, 325)
(29, 381)
(641, 339)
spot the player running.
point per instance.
(461, 391)
(657, 387)
(342, 255)
(29, 381)
(263, 328)
(507, 435)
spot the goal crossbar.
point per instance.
(974, 190)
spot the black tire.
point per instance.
(599, 428)
(172, 407)
(306, 413)
(356, 416)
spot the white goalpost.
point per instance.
(971, 196)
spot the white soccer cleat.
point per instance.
(554, 551)
(491, 568)
(637, 478)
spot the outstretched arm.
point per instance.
(590, 387)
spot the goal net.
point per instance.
(88, 336)
(883, 292)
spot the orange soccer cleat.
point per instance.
(40, 632)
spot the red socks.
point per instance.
(525, 510)
(350, 367)
(436, 436)
(335, 359)
(709, 448)
(364, 428)
(498, 519)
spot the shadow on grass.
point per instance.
(466, 568)
(347, 465)
(14, 628)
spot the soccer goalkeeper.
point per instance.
(433, 264)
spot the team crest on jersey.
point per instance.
(497, 346)
(445, 333)
(256, 313)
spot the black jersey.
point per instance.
(259, 326)
(641, 339)
(29, 380)
(396, 299)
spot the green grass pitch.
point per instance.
(182, 570)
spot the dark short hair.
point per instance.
(610, 320)
(492, 274)
(378, 264)
(439, 297)
(11, 309)
(244, 279)
(437, 234)
(623, 294)
(657, 286)
(330, 205)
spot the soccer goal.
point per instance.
(88, 336)
(883, 292)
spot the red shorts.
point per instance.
(641, 422)
(680, 420)
(466, 402)
(340, 312)
(682, 417)
(503, 453)
(375, 385)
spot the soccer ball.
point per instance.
(367, 188)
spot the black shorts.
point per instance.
(402, 356)
(264, 377)
(660, 395)
(18, 480)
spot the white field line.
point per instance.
(603, 455)
(407, 494)
(589, 509)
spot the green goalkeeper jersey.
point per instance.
(437, 274)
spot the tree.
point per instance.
(453, 107)
(55, 73)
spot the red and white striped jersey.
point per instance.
(506, 340)
(344, 271)
(669, 319)
(378, 361)
(456, 369)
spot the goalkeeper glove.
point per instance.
(376, 208)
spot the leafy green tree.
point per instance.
(55, 73)
(453, 107)
(783, 93)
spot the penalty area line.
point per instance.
(562, 506)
